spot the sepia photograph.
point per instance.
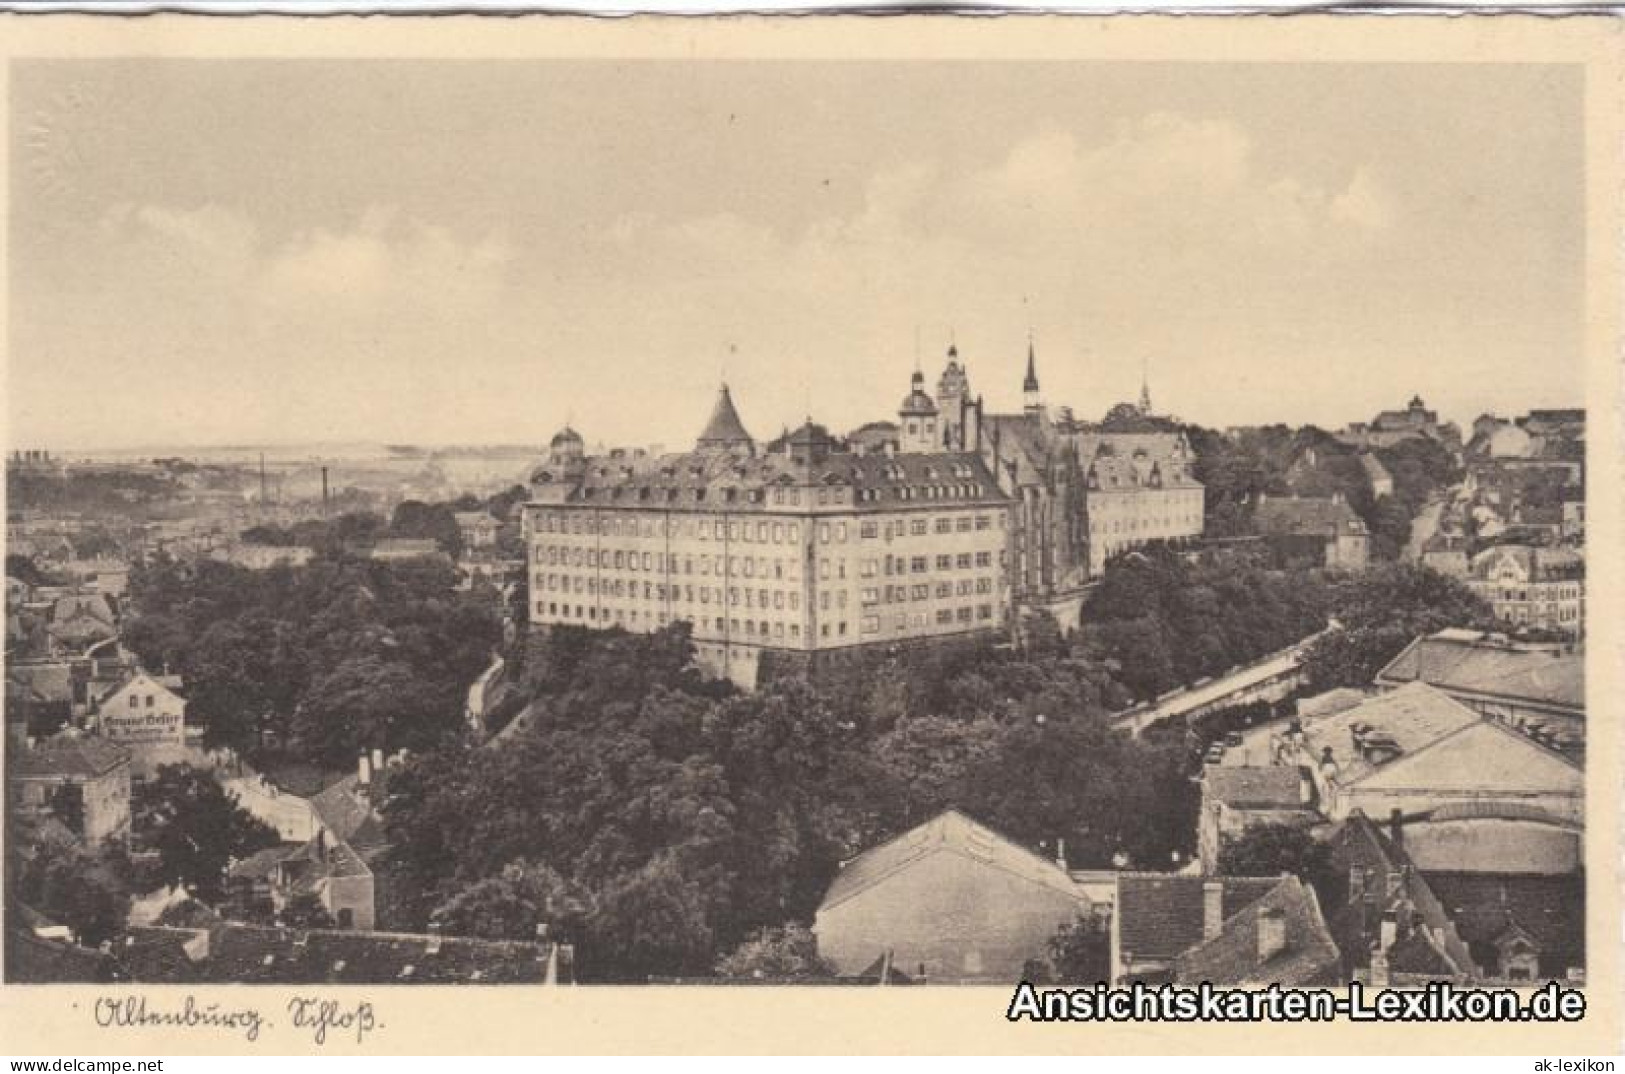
(757, 520)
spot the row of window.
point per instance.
(760, 531)
(763, 630)
(982, 613)
(897, 594)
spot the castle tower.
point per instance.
(953, 399)
(1032, 400)
(917, 426)
(724, 431)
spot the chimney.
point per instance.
(1060, 853)
(363, 771)
(1212, 908)
(1306, 786)
(1271, 933)
(434, 939)
(1396, 826)
(377, 760)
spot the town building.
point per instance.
(1324, 531)
(147, 717)
(1447, 553)
(80, 780)
(1532, 586)
(1236, 798)
(1158, 917)
(1416, 749)
(1279, 939)
(809, 554)
(1534, 687)
(1377, 475)
(1398, 921)
(406, 549)
(949, 901)
(479, 529)
(1390, 427)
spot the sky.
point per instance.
(279, 251)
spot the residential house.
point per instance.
(1530, 586)
(1377, 475)
(1446, 553)
(81, 780)
(949, 899)
(147, 717)
(1398, 922)
(1158, 917)
(1322, 530)
(479, 529)
(398, 549)
(1278, 939)
(1236, 798)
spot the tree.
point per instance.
(511, 905)
(1276, 849)
(195, 828)
(85, 889)
(414, 518)
(1380, 613)
(786, 953)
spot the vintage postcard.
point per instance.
(922, 534)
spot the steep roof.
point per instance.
(1470, 662)
(1485, 906)
(1160, 915)
(1307, 956)
(349, 815)
(950, 832)
(724, 429)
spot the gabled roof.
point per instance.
(1550, 910)
(1308, 956)
(1160, 915)
(950, 832)
(1412, 717)
(349, 815)
(1483, 757)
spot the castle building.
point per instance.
(1082, 492)
(802, 554)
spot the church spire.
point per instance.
(1145, 389)
(1032, 402)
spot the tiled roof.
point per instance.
(1471, 663)
(724, 428)
(1233, 957)
(739, 481)
(953, 833)
(1484, 906)
(70, 756)
(262, 954)
(1412, 717)
(1306, 517)
(348, 815)
(30, 958)
(44, 682)
(1254, 786)
(1160, 916)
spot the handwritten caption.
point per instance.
(321, 1019)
